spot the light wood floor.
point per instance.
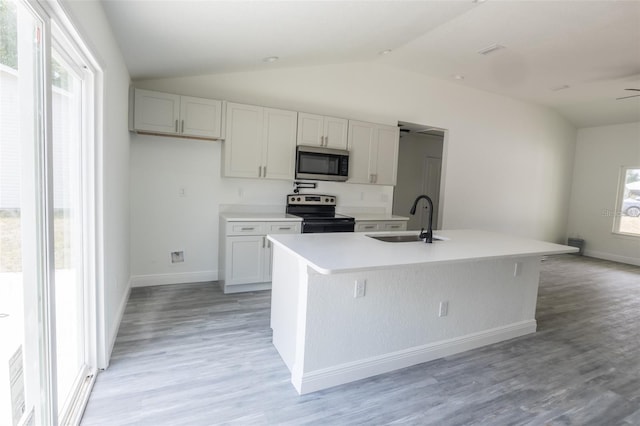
(189, 355)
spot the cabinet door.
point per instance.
(335, 132)
(369, 226)
(386, 162)
(268, 261)
(156, 112)
(243, 144)
(395, 225)
(200, 117)
(279, 136)
(245, 260)
(361, 144)
(310, 129)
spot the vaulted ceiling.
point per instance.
(574, 56)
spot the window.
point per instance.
(627, 217)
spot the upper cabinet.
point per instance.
(373, 153)
(318, 130)
(175, 115)
(260, 142)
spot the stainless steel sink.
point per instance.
(400, 238)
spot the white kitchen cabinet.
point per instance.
(175, 115)
(260, 142)
(380, 225)
(373, 153)
(245, 253)
(319, 130)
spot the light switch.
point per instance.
(360, 288)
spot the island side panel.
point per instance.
(397, 322)
(288, 278)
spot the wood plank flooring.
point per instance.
(189, 355)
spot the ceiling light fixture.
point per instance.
(270, 59)
(385, 52)
(490, 49)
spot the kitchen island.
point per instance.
(346, 306)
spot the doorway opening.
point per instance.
(419, 172)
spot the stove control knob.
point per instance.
(293, 198)
(333, 200)
(326, 200)
(298, 198)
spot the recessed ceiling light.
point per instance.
(385, 52)
(270, 59)
(564, 86)
(490, 49)
(458, 77)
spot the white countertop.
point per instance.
(367, 216)
(259, 217)
(350, 252)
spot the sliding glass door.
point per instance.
(46, 244)
(68, 227)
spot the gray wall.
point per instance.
(414, 148)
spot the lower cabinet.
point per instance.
(245, 253)
(380, 225)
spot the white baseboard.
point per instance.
(349, 372)
(612, 257)
(177, 278)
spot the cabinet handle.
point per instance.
(369, 227)
(247, 229)
(375, 178)
(326, 141)
(282, 228)
(321, 140)
(264, 239)
(259, 171)
(182, 131)
(176, 126)
(264, 171)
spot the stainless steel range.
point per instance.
(318, 213)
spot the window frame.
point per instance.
(617, 212)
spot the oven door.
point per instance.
(319, 226)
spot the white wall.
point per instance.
(90, 20)
(600, 153)
(507, 165)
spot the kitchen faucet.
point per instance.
(428, 236)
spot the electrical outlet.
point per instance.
(177, 256)
(444, 309)
(360, 288)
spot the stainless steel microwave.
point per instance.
(322, 163)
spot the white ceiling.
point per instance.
(591, 46)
